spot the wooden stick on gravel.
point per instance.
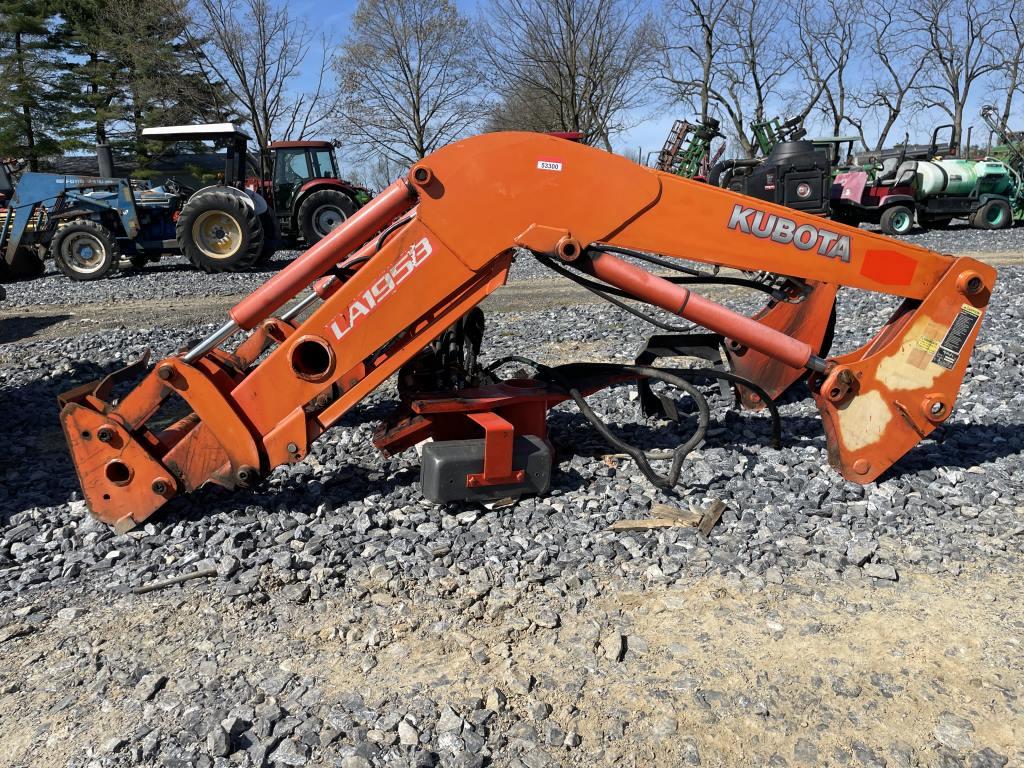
(155, 585)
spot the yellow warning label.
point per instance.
(927, 345)
(962, 329)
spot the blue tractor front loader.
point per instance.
(87, 224)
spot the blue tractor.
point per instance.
(87, 224)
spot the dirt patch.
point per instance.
(708, 666)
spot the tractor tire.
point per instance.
(934, 222)
(26, 266)
(995, 214)
(218, 232)
(321, 212)
(85, 250)
(271, 237)
(897, 220)
(848, 218)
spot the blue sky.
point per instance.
(652, 124)
(334, 15)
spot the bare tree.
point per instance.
(1010, 80)
(258, 49)
(756, 65)
(691, 47)
(574, 65)
(893, 77)
(957, 40)
(829, 35)
(409, 79)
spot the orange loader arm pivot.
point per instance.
(407, 270)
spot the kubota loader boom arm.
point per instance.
(427, 250)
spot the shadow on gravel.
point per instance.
(274, 265)
(18, 328)
(35, 467)
(956, 445)
(962, 446)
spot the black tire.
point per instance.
(896, 220)
(849, 218)
(85, 250)
(934, 222)
(219, 232)
(321, 212)
(271, 237)
(26, 266)
(995, 214)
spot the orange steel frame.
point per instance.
(453, 225)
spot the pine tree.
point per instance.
(95, 79)
(124, 85)
(36, 118)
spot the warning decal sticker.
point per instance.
(921, 353)
(956, 337)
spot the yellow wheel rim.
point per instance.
(217, 234)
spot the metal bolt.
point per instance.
(159, 487)
(293, 448)
(165, 372)
(246, 474)
(861, 466)
(104, 434)
(938, 408)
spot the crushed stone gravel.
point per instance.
(348, 517)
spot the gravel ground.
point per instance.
(351, 623)
(174, 277)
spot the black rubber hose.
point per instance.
(608, 293)
(697, 373)
(678, 455)
(391, 229)
(714, 175)
(732, 378)
(709, 373)
(739, 282)
(661, 261)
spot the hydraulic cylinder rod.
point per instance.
(690, 306)
(347, 237)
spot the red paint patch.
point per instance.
(888, 267)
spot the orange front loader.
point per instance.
(395, 290)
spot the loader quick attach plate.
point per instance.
(447, 465)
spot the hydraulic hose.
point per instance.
(715, 174)
(678, 455)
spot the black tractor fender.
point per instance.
(907, 200)
(252, 199)
(315, 186)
